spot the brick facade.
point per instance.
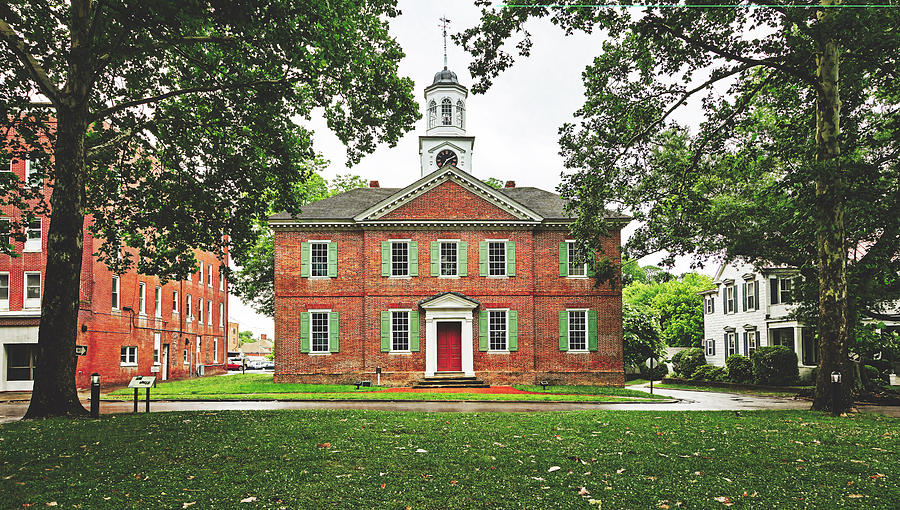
(359, 293)
(106, 329)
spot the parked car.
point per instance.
(268, 365)
(256, 364)
(233, 364)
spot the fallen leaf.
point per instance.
(583, 492)
(725, 500)
(620, 471)
(876, 476)
(383, 485)
(664, 506)
(421, 451)
(251, 499)
(52, 503)
(553, 468)
(855, 496)
(324, 445)
(453, 482)
(185, 505)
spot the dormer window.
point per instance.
(432, 114)
(446, 112)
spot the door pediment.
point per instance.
(449, 301)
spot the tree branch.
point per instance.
(180, 92)
(38, 74)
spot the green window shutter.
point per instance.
(564, 259)
(413, 258)
(592, 330)
(333, 331)
(462, 252)
(414, 331)
(385, 331)
(512, 318)
(563, 330)
(385, 258)
(304, 259)
(483, 258)
(304, 332)
(590, 267)
(755, 295)
(483, 331)
(435, 259)
(332, 260)
(510, 258)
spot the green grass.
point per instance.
(588, 390)
(261, 387)
(723, 389)
(372, 459)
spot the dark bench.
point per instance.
(367, 384)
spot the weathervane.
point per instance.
(444, 23)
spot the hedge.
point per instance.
(775, 365)
(686, 362)
(740, 369)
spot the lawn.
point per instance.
(372, 459)
(723, 389)
(261, 387)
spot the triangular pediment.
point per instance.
(448, 145)
(449, 301)
(463, 189)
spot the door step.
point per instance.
(450, 380)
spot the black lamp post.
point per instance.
(95, 395)
(835, 393)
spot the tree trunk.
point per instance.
(54, 378)
(830, 231)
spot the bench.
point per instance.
(367, 384)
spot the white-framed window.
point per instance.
(187, 352)
(142, 293)
(32, 290)
(209, 312)
(128, 356)
(751, 295)
(199, 310)
(187, 308)
(710, 347)
(20, 362)
(200, 274)
(221, 315)
(199, 343)
(731, 348)
(786, 290)
(157, 301)
(498, 330)
(400, 331)
(221, 280)
(215, 350)
(446, 112)
(5, 229)
(432, 114)
(209, 275)
(4, 291)
(33, 236)
(729, 298)
(114, 293)
(578, 330)
(399, 258)
(449, 258)
(31, 169)
(157, 340)
(577, 268)
(175, 306)
(460, 113)
(752, 342)
(318, 331)
(496, 258)
(710, 305)
(318, 259)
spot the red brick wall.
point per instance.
(435, 204)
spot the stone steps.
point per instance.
(450, 380)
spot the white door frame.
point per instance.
(449, 308)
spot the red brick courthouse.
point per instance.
(447, 276)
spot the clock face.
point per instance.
(446, 157)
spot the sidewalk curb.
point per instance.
(395, 401)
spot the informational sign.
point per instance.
(142, 381)
(80, 350)
(154, 368)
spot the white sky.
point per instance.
(514, 124)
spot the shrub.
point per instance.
(775, 365)
(873, 376)
(657, 373)
(884, 367)
(686, 362)
(710, 373)
(740, 369)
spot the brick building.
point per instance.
(447, 276)
(131, 324)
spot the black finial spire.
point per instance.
(444, 24)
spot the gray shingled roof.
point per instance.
(351, 203)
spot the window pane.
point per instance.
(576, 266)
(400, 331)
(33, 286)
(446, 112)
(318, 259)
(399, 259)
(319, 332)
(577, 331)
(448, 259)
(497, 330)
(4, 286)
(497, 259)
(34, 229)
(20, 362)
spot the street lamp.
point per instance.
(835, 393)
(95, 395)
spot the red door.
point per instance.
(449, 347)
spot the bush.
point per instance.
(740, 369)
(775, 365)
(658, 372)
(873, 376)
(686, 362)
(710, 373)
(884, 367)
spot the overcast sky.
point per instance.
(514, 124)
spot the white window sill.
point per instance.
(31, 307)
(319, 277)
(498, 352)
(578, 277)
(320, 354)
(399, 277)
(156, 363)
(498, 276)
(570, 351)
(31, 250)
(449, 276)
(401, 353)
(128, 364)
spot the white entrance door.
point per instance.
(165, 362)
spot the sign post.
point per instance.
(142, 381)
(652, 363)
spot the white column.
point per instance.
(430, 345)
(468, 363)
